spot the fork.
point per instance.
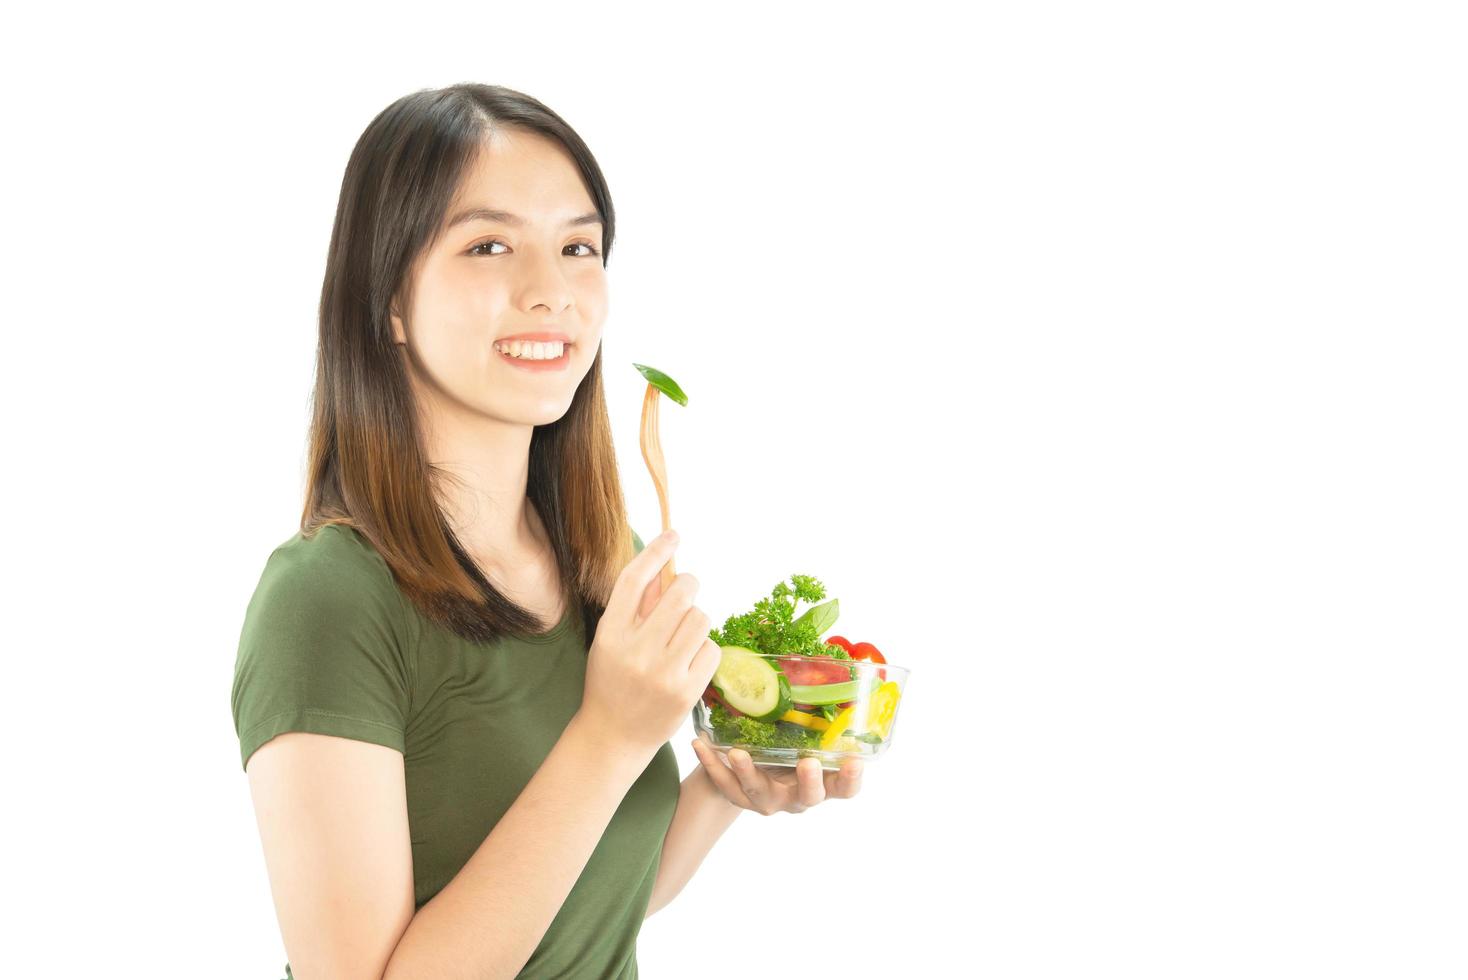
(652, 454)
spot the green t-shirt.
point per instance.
(331, 645)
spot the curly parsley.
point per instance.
(773, 627)
(759, 734)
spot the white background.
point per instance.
(1105, 360)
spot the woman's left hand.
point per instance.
(776, 789)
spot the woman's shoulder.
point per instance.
(333, 558)
(325, 646)
(324, 585)
(334, 546)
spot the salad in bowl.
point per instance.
(782, 693)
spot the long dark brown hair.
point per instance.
(367, 467)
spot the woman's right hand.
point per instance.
(651, 658)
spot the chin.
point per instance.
(538, 414)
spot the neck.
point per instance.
(486, 463)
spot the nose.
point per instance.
(543, 283)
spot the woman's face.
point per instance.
(492, 276)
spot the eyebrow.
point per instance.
(505, 217)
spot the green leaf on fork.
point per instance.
(662, 383)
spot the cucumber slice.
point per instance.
(749, 684)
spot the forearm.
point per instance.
(488, 920)
(702, 816)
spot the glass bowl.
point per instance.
(819, 687)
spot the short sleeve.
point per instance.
(323, 647)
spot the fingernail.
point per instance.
(670, 535)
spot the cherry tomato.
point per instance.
(866, 651)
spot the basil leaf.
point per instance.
(823, 616)
(662, 383)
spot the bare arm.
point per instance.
(333, 818)
(334, 824)
(702, 816)
(488, 920)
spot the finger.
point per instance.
(650, 596)
(812, 788)
(705, 664)
(671, 607)
(756, 785)
(692, 633)
(846, 782)
(633, 580)
(723, 779)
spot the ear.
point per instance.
(399, 335)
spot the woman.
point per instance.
(448, 777)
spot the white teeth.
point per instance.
(532, 351)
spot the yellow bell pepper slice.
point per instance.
(813, 722)
(883, 707)
(838, 727)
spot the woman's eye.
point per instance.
(590, 249)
